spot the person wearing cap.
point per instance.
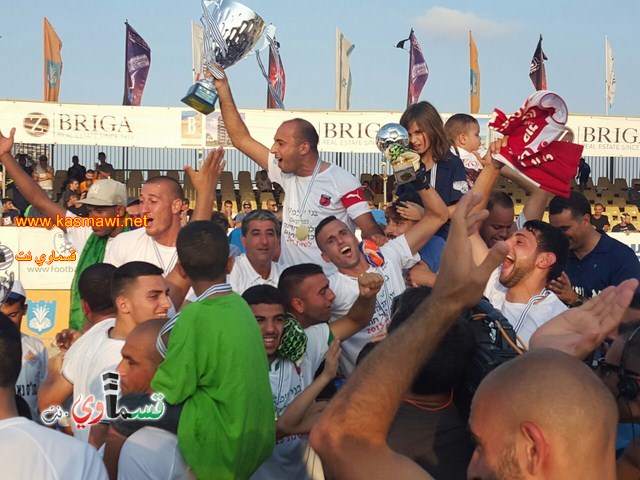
(246, 208)
(105, 200)
(34, 353)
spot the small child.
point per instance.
(464, 133)
(34, 353)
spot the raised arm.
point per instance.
(236, 128)
(302, 413)
(27, 186)
(352, 441)
(362, 309)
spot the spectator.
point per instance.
(272, 205)
(634, 195)
(263, 184)
(86, 185)
(625, 225)
(596, 260)
(584, 172)
(43, 175)
(9, 212)
(246, 208)
(76, 170)
(73, 186)
(464, 134)
(598, 220)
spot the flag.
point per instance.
(52, 63)
(537, 73)
(136, 67)
(418, 69)
(474, 80)
(343, 71)
(277, 78)
(197, 50)
(610, 75)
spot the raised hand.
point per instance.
(459, 281)
(206, 179)
(6, 143)
(370, 284)
(578, 331)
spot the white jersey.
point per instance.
(152, 454)
(84, 363)
(289, 458)
(525, 318)
(78, 236)
(333, 191)
(136, 245)
(28, 450)
(397, 256)
(243, 275)
(32, 372)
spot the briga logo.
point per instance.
(36, 124)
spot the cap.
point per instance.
(17, 291)
(244, 204)
(106, 193)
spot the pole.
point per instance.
(408, 81)
(606, 102)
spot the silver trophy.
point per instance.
(231, 32)
(393, 141)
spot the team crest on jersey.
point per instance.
(41, 316)
(325, 200)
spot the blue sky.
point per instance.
(505, 32)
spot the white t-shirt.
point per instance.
(525, 318)
(289, 458)
(397, 256)
(152, 454)
(333, 192)
(243, 275)
(78, 236)
(136, 245)
(32, 373)
(28, 450)
(84, 363)
(41, 173)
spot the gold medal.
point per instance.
(302, 232)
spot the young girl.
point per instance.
(445, 171)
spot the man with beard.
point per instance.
(537, 254)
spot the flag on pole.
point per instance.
(197, 50)
(277, 78)
(52, 63)
(136, 67)
(610, 75)
(537, 73)
(418, 69)
(474, 80)
(343, 71)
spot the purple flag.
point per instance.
(537, 72)
(418, 71)
(136, 69)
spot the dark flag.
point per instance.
(537, 72)
(418, 69)
(136, 68)
(277, 78)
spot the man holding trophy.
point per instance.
(314, 189)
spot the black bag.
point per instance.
(495, 341)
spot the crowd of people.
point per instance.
(315, 340)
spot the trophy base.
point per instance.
(404, 172)
(201, 98)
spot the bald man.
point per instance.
(527, 427)
(352, 442)
(149, 453)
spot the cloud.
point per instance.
(448, 23)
